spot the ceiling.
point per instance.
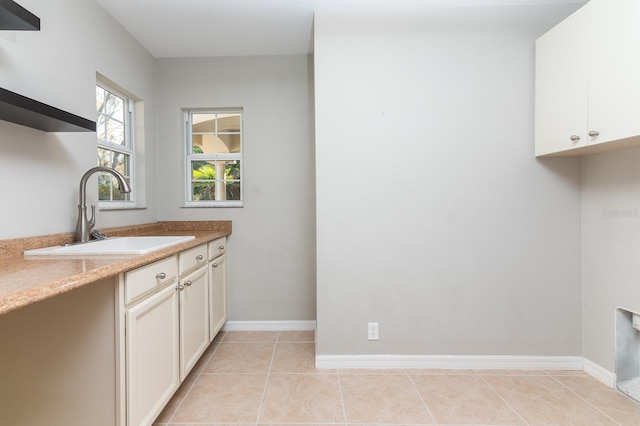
(203, 28)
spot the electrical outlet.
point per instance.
(372, 330)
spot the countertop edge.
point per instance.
(48, 289)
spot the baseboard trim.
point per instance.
(269, 325)
(599, 373)
(450, 362)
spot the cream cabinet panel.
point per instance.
(561, 90)
(614, 69)
(148, 278)
(194, 318)
(192, 258)
(217, 247)
(587, 81)
(218, 294)
(151, 355)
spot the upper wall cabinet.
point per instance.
(588, 81)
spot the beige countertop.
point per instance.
(27, 280)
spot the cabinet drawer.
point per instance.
(149, 277)
(192, 258)
(217, 247)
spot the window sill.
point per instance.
(231, 204)
(121, 207)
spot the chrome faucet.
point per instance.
(84, 225)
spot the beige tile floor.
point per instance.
(260, 378)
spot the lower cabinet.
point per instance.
(217, 285)
(194, 319)
(168, 313)
(152, 355)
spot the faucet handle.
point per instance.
(98, 235)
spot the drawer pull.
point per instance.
(594, 133)
(574, 138)
(221, 248)
(188, 283)
(161, 276)
(215, 265)
(179, 287)
(199, 257)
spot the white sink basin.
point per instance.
(114, 245)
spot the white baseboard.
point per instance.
(269, 326)
(450, 362)
(599, 373)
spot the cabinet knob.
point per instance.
(215, 265)
(188, 283)
(594, 133)
(574, 138)
(179, 287)
(221, 248)
(199, 257)
(161, 276)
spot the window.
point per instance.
(214, 158)
(115, 144)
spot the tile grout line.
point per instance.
(424, 403)
(503, 399)
(585, 400)
(266, 383)
(196, 379)
(344, 409)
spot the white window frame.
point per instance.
(190, 157)
(128, 149)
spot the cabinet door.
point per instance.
(218, 294)
(151, 355)
(561, 89)
(614, 69)
(194, 319)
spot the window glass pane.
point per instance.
(101, 127)
(114, 132)
(114, 160)
(229, 123)
(203, 123)
(204, 144)
(114, 107)
(108, 189)
(215, 180)
(99, 98)
(229, 143)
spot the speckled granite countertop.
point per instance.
(24, 281)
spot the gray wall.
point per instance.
(610, 246)
(271, 262)
(58, 66)
(433, 216)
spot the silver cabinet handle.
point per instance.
(199, 257)
(161, 276)
(179, 287)
(594, 133)
(574, 138)
(221, 248)
(215, 265)
(188, 283)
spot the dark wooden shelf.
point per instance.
(14, 17)
(31, 113)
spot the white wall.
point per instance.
(433, 216)
(271, 262)
(611, 226)
(57, 65)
